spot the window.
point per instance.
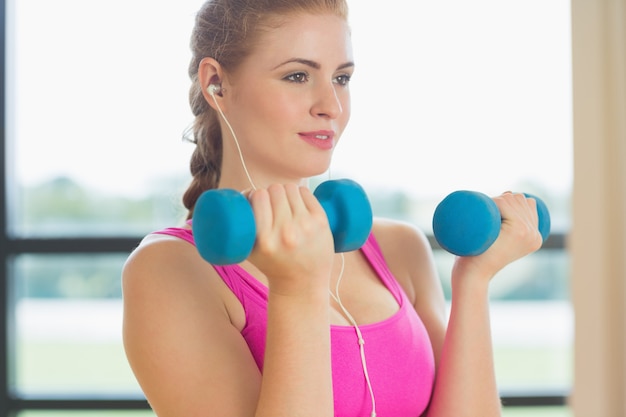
(446, 96)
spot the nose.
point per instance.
(327, 102)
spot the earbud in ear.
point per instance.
(214, 89)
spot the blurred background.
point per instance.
(447, 95)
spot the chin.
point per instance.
(319, 170)
(311, 168)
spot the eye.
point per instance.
(297, 77)
(343, 79)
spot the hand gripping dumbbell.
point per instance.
(224, 228)
(466, 223)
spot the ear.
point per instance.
(209, 72)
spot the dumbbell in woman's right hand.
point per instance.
(224, 227)
(466, 223)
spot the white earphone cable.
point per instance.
(337, 298)
(232, 132)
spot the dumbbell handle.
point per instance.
(224, 228)
(466, 223)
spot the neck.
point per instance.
(239, 181)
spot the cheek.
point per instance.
(347, 111)
(275, 109)
(255, 112)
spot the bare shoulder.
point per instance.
(154, 243)
(162, 263)
(168, 271)
(407, 252)
(400, 236)
(179, 331)
(161, 253)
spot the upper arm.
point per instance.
(410, 259)
(188, 357)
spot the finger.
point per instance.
(517, 209)
(312, 204)
(309, 200)
(262, 209)
(280, 205)
(532, 207)
(514, 203)
(525, 208)
(294, 198)
(247, 192)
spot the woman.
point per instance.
(297, 330)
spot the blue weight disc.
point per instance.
(349, 213)
(466, 223)
(223, 227)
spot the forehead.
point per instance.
(324, 38)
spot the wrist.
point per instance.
(300, 297)
(312, 312)
(467, 279)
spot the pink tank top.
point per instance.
(398, 350)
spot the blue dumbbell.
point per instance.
(225, 231)
(466, 223)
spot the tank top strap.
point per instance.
(241, 283)
(372, 252)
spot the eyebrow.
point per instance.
(311, 64)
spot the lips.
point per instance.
(321, 139)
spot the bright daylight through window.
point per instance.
(464, 95)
